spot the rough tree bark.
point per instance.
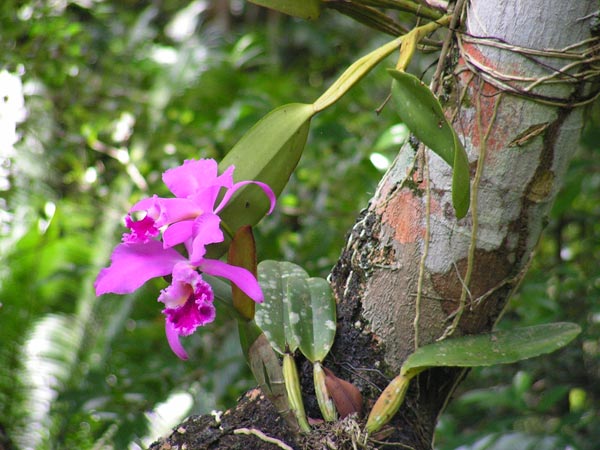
(410, 272)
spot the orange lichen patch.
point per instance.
(488, 96)
(404, 213)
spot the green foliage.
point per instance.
(298, 311)
(317, 323)
(276, 144)
(499, 347)
(283, 284)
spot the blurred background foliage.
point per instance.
(99, 97)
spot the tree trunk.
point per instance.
(410, 272)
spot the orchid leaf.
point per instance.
(461, 186)
(420, 110)
(317, 320)
(362, 66)
(498, 347)
(304, 9)
(283, 284)
(268, 152)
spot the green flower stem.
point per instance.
(361, 67)
(412, 38)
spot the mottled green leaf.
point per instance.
(282, 283)
(317, 320)
(498, 347)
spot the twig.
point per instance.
(263, 437)
(425, 251)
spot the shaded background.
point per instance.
(99, 97)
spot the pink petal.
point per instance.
(173, 339)
(134, 264)
(241, 277)
(268, 191)
(193, 176)
(226, 178)
(180, 289)
(177, 209)
(205, 198)
(206, 231)
(166, 211)
(178, 233)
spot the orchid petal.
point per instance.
(268, 191)
(149, 205)
(206, 230)
(169, 210)
(142, 231)
(133, 264)
(184, 279)
(178, 233)
(194, 176)
(173, 340)
(241, 277)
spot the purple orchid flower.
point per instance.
(192, 214)
(190, 219)
(188, 300)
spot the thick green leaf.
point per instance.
(305, 9)
(298, 311)
(461, 186)
(317, 320)
(422, 113)
(283, 283)
(499, 347)
(268, 152)
(420, 110)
